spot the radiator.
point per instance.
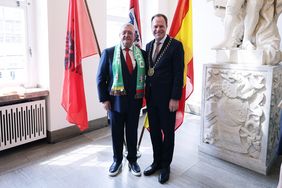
(22, 123)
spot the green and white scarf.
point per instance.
(118, 85)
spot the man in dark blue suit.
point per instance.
(163, 90)
(120, 82)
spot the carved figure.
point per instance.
(250, 25)
(238, 129)
(232, 20)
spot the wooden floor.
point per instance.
(83, 162)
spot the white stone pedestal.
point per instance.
(238, 56)
(240, 117)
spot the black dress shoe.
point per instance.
(164, 175)
(134, 168)
(115, 168)
(151, 169)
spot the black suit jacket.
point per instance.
(167, 81)
(105, 81)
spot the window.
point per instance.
(14, 42)
(117, 15)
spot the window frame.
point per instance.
(28, 77)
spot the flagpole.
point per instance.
(92, 25)
(140, 138)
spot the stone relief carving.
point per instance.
(233, 117)
(276, 97)
(251, 25)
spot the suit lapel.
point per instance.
(151, 48)
(162, 49)
(164, 45)
(123, 63)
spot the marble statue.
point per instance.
(251, 25)
(231, 20)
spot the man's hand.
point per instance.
(107, 105)
(173, 105)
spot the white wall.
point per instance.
(148, 8)
(41, 50)
(207, 30)
(57, 22)
(57, 17)
(90, 66)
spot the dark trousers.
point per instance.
(128, 122)
(162, 123)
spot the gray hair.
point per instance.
(127, 25)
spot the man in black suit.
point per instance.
(120, 82)
(163, 90)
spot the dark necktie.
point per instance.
(157, 50)
(128, 61)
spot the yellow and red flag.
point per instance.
(80, 43)
(181, 29)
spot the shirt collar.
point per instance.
(161, 41)
(123, 48)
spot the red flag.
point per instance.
(80, 43)
(181, 29)
(134, 16)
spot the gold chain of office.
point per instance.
(151, 70)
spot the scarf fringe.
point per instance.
(117, 92)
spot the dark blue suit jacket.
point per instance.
(105, 80)
(167, 81)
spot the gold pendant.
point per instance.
(151, 71)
